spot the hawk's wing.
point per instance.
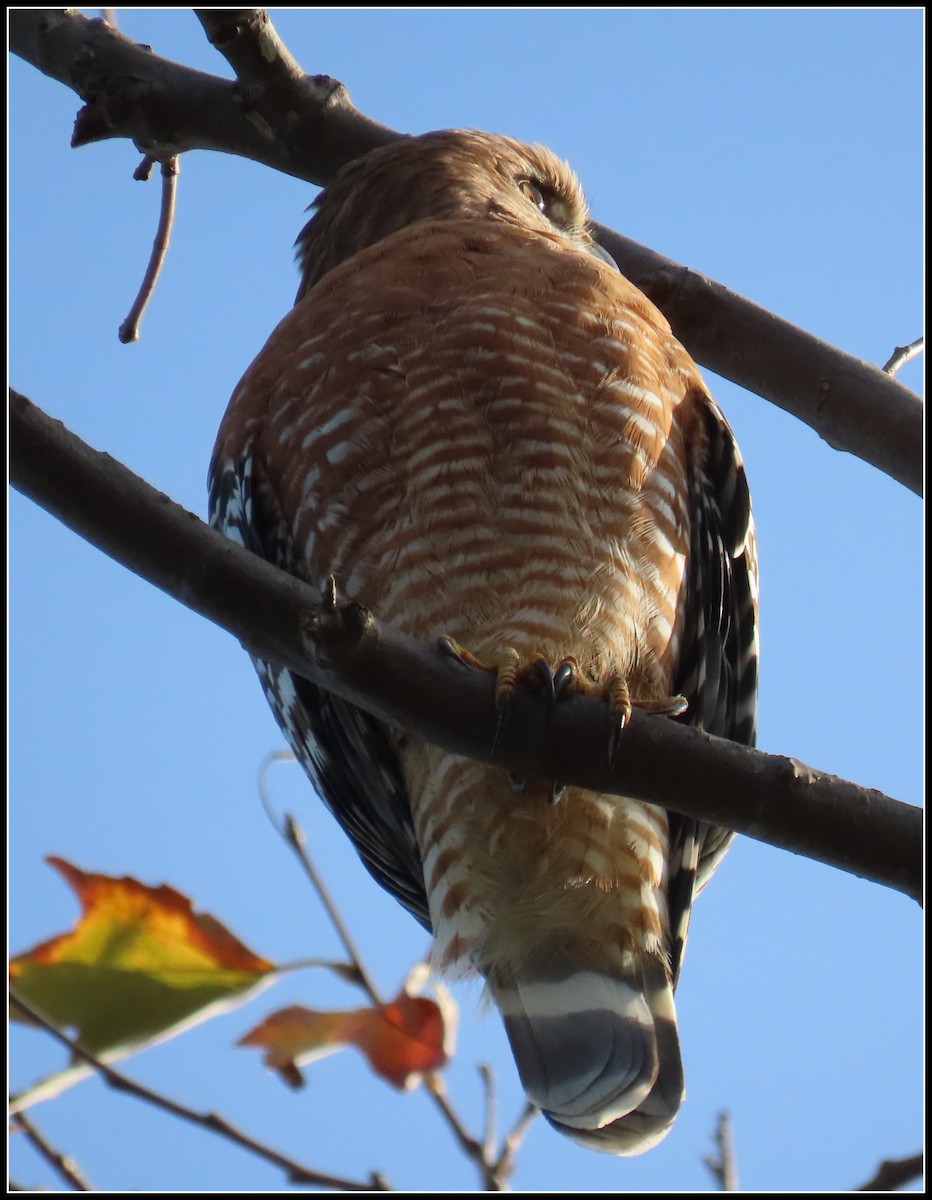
(346, 752)
(717, 671)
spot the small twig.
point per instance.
(216, 1124)
(435, 1086)
(129, 330)
(487, 1074)
(437, 1089)
(62, 1164)
(144, 170)
(293, 834)
(504, 1165)
(902, 354)
(894, 1173)
(723, 1164)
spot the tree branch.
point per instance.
(129, 329)
(306, 126)
(62, 1164)
(902, 355)
(308, 131)
(723, 1164)
(295, 1171)
(344, 649)
(851, 404)
(894, 1173)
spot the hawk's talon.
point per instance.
(666, 706)
(446, 645)
(617, 723)
(542, 670)
(328, 592)
(517, 782)
(565, 673)
(506, 677)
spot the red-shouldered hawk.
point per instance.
(482, 431)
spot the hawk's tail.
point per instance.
(598, 1054)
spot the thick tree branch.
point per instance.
(308, 130)
(853, 405)
(343, 648)
(307, 127)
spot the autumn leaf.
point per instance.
(401, 1039)
(140, 962)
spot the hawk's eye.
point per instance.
(533, 193)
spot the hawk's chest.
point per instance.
(494, 471)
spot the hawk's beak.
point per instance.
(598, 251)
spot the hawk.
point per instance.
(485, 434)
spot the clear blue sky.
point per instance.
(779, 152)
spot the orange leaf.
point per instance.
(401, 1039)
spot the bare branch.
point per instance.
(513, 1139)
(63, 1165)
(722, 1163)
(853, 405)
(437, 1089)
(296, 1172)
(902, 355)
(487, 1075)
(296, 840)
(292, 833)
(479, 1153)
(306, 126)
(776, 800)
(165, 108)
(129, 330)
(894, 1173)
(249, 42)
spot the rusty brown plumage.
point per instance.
(483, 431)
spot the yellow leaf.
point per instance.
(138, 963)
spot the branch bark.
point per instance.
(306, 126)
(343, 648)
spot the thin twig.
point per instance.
(437, 1089)
(487, 1075)
(434, 1084)
(144, 170)
(894, 1173)
(293, 834)
(723, 1164)
(63, 1164)
(504, 1165)
(129, 330)
(902, 354)
(216, 1124)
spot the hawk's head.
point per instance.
(449, 175)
